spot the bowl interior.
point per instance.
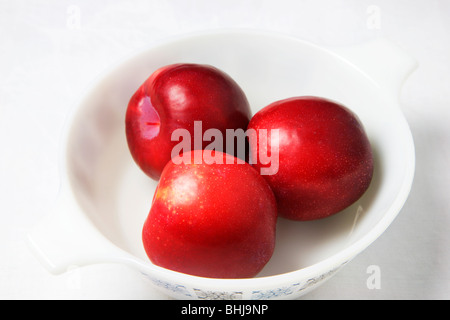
(117, 196)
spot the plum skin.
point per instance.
(325, 157)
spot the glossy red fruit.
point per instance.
(174, 97)
(211, 220)
(325, 158)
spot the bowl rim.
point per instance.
(334, 261)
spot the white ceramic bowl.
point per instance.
(105, 198)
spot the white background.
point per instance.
(51, 50)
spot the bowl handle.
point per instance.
(381, 60)
(67, 238)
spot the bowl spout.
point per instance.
(66, 238)
(381, 60)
